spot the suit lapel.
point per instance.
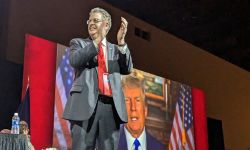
(122, 141)
(110, 49)
(110, 54)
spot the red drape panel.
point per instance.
(40, 60)
(200, 121)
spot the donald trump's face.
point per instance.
(136, 109)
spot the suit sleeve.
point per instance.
(125, 60)
(81, 52)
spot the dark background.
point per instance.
(221, 27)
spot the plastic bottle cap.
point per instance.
(16, 114)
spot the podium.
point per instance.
(13, 141)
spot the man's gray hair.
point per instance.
(105, 15)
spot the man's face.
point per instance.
(97, 27)
(136, 110)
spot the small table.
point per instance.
(13, 142)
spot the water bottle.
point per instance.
(15, 124)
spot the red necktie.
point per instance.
(104, 86)
(101, 68)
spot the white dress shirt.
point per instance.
(104, 46)
(130, 140)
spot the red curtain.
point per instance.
(200, 121)
(39, 67)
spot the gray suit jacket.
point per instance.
(84, 92)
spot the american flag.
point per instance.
(182, 133)
(64, 79)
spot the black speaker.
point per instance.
(215, 134)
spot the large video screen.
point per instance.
(160, 111)
(167, 106)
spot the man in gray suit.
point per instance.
(96, 105)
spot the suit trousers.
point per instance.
(101, 129)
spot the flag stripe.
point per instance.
(64, 79)
(55, 140)
(191, 138)
(61, 89)
(59, 132)
(189, 142)
(182, 128)
(63, 123)
(175, 137)
(179, 127)
(177, 132)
